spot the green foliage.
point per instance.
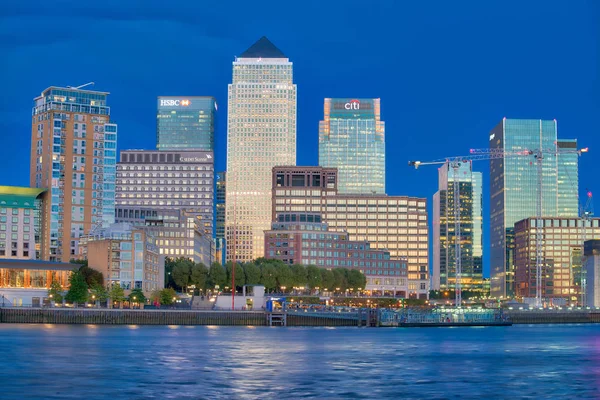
(299, 277)
(356, 280)
(182, 271)
(284, 275)
(252, 273)
(92, 277)
(240, 278)
(56, 291)
(167, 295)
(116, 293)
(137, 296)
(339, 279)
(217, 276)
(98, 292)
(78, 289)
(327, 280)
(313, 277)
(268, 276)
(199, 276)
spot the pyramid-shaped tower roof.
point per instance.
(263, 48)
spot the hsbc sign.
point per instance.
(174, 103)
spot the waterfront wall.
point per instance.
(553, 317)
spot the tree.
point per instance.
(299, 275)
(91, 276)
(327, 279)
(356, 280)
(217, 276)
(285, 279)
(78, 289)
(182, 272)
(339, 279)
(56, 292)
(268, 276)
(116, 293)
(199, 276)
(98, 292)
(169, 265)
(240, 278)
(313, 277)
(137, 296)
(167, 296)
(252, 273)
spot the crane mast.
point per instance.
(491, 154)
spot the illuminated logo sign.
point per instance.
(492, 136)
(196, 158)
(352, 105)
(174, 103)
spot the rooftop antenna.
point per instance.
(81, 86)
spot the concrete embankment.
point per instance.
(157, 317)
(554, 317)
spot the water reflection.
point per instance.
(138, 362)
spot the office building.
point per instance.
(157, 180)
(397, 224)
(568, 178)
(261, 134)
(126, 256)
(352, 139)
(25, 283)
(186, 123)
(513, 189)
(562, 255)
(73, 155)
(471, 228)
(220, 200)
(308, 241)
(177, 233)
(21, 222)
(592, 268)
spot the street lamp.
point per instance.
(134, 298)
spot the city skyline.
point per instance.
(407, 137)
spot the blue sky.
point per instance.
(446, 72)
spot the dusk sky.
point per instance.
(446, 72)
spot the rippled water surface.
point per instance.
(155, 362)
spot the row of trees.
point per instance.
(273, 274)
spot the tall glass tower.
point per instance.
(186, 123)
(513, 189)
(261, 134)
(352, 139)
(471, 223)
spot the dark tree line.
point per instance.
(273, 274)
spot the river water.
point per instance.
(170, 362)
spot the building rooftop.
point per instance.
(263, 48)
(19, 196)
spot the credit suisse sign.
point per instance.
(196, 157)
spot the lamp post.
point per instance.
(48, 296)
(134, 298)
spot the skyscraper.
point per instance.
(220, 201)
(513, 190)
(261, 133)
(352, 139)
(186, 123)
(444, 266)
(73, 155)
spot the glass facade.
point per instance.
(568, 179)
(73, 154)
(352, 139)
(513, 189)
(261, 134)
(186, 123)
(444, 266)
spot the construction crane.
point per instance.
(586, 213)
(491, 154)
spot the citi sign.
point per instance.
(352, 105)
(174, 103)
